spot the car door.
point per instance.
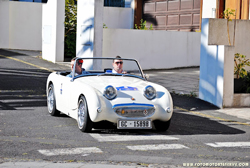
(63, 94)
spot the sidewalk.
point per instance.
(243, 113)
(185, 81)
(181, 81)
(61, 165)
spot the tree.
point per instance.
(70, 28)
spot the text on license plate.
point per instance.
(134, 124)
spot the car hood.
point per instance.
(119, 82)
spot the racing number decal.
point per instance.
(61, 88)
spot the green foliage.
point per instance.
(193, 94)
(143, 26)
(246, 83)
(248, 90)
(240, 62)
(70, 28)
(104, 26)
(227, 13)
(246, 80)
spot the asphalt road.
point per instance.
(201, 138)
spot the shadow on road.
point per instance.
(10, 53)
(188, 103)
(20, 88)
(181, 124)
(186, 124)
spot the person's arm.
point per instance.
(84, 72)
(70, 75)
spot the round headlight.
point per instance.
(110, 92)
(149, 92)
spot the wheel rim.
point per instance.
(81, 113)
(50, 100)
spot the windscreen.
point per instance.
(111, 66)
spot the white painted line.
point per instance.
(229, 144)
(85, 155)
(70, 151)
(157, 147)
(131, 137)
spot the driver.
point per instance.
(78, 68)
(117, 65)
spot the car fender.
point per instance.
(52, 79)
(56, 80)
(163, 101)
(91, 96)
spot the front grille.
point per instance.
(134, 112)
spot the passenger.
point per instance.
(78, 68)
(117, 65)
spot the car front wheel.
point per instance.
(51, 101)
(162, 125)
(83, 120)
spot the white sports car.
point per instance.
(125, 99)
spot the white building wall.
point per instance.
(217, 61)
(89, 30)
(85, 28)
(163, 46)
(129, 3)
(118, 18)
(53, 30)
(208, 10)
(152, 48)
(4, 24)
(25, 25)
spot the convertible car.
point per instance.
(127, 99)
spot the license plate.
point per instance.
(134, 124)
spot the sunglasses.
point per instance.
(119, 62)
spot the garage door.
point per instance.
(178, 15)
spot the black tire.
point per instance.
(83, 120)
(51, 101)
(162, 125)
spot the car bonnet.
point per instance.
(121, 83)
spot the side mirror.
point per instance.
(146, 76)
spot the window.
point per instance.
(114, 3)
(40, 1)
